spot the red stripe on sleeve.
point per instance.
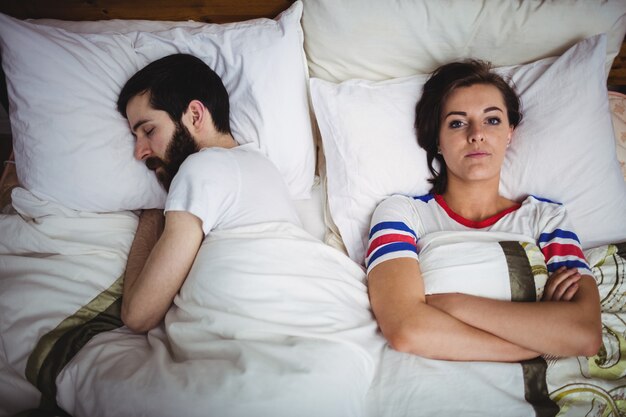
(562, 249)
(390, 238)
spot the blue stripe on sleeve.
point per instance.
(568, 264)
(545, 200)
(425, 198)
(558, 233)
(392, 247)
(392, 225)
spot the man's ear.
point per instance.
(196, 116)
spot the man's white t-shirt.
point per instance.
(228, 188)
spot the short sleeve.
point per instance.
(392, 234)
(206, 185)
(558, 242)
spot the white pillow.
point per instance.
(378, 40)
(563, 150)
(71, 146)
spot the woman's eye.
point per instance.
(455, 124)
(493, 120)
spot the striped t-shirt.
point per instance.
(399, 222)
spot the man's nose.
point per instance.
(142, 150)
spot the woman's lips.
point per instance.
(477, 154)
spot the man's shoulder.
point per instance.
(204, 156)
(207, 163)
(246, 151)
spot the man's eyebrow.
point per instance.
(138, 125)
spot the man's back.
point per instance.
(228, 188)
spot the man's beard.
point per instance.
(181, 146)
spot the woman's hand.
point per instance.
(562, 285)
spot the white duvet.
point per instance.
(270, 322)
(52, 260)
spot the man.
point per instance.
(178, 110)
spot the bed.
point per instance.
(326, 90)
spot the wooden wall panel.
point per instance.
(214, 11)
(617, 76)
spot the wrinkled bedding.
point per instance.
(270, 322)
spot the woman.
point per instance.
(465, 121)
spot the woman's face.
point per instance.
(474, 133)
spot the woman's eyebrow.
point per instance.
(462, 113)
(456, 113)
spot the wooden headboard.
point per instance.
(213, 11)
(617, 76)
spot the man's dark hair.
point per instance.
(437, 89)
(173, 82)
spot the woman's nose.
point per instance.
(476, 134)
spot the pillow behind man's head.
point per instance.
(71, 145)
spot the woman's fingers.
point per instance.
(570, 292)
(566, 286)
(562, 285)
